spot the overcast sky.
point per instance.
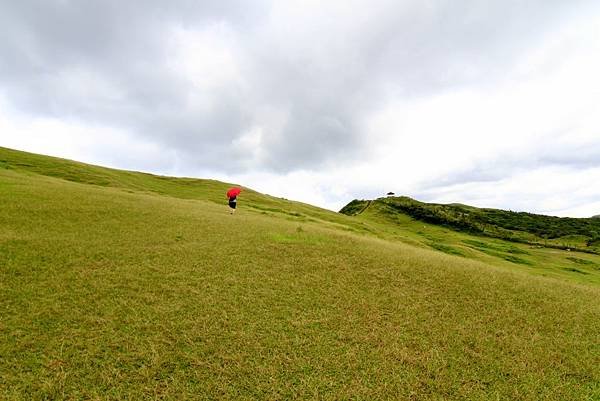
(493, 103)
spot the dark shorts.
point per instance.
(232, 205)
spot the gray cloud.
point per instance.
(318, 78)
(574, 156)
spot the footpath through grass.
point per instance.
(114, 294)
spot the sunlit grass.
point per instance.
(117, 293)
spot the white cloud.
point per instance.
(208, 57)
(490, 103)
(81, 141)
(554, 190)
(546, 107)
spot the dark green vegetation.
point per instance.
(117, 285)
(557, 232)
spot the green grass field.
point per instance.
(117, 285)
(566, 233)
(537, 260)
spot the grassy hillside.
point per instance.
(212, 191)
(550, 231)
(436, 227)
(117, 285)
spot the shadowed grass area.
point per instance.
(445, 248)
(109, 294)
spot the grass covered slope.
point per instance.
(457, 230)
(109, 292)
(142, 183)
(558, 232)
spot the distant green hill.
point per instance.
(559, 232)
(119, 285)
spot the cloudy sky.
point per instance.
(493, 103)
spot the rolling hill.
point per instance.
(124, 285)
(540, 245)
(548, 231)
